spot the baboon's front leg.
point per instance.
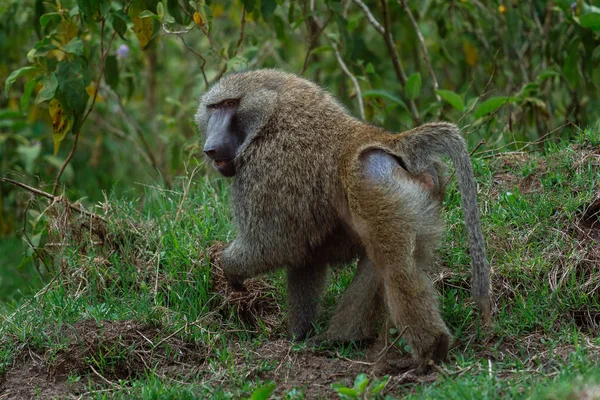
(305, 285)
(246, 258)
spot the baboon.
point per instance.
(315, 187)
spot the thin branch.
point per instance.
(313, 42)
(67, 161)
(361, 105)
(370, 16)
(384, 31)
(54, 198)
(242, 27)
(389, 41)
(423, 47)
(480, 94)
(180, 34)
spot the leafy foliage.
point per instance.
(99, 94)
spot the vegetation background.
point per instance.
(98, 101)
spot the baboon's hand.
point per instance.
(231, 275)
(236, 283)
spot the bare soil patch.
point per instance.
(127, 349)
(313, 372)
(506, 179)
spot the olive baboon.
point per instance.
(314, 186)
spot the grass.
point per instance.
(137, 311)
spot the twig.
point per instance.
(370, 16)
(35, 250)
(398, 68)
(170, 336)
(423, 47)
(481, 93)
(312, 43)
(104, 379)
(361, 105)
(79, 209)
(180, 34)
(381, 354)
(242, 27)
(527, 144)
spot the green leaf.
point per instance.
(529, 89)
(267, 7)
(111, 72)
(148, 14)
(378, 386)
(452, 98)
(28, 156)
(46, 18)
(361, 382)
(75, 46)
(491, 105)
(50, 83)
(160, 11)
(73, 77)
(43, 47)
(413, 86)
(263, 392)
(29, 86)
(93, 9)
(249, 4)
(591, 20)
(547, 73)
(177, 13)
(14, 76)
(119, 22)
(385, 95)
(237, 63)
(347, 391)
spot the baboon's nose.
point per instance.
(210, 152)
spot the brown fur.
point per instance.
(308, 194)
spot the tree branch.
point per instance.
(392, 50)
(361, 106)
(54, 198)
(370, 16)
(423, 47)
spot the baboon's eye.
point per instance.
(231, 103)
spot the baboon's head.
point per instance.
(235, 110)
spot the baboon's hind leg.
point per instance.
(394, 213)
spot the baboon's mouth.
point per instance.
(225, 167)
(221, 163)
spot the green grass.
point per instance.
(151, 269)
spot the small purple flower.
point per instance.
(573, 6)
(122, 51)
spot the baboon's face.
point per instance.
(224, 135)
